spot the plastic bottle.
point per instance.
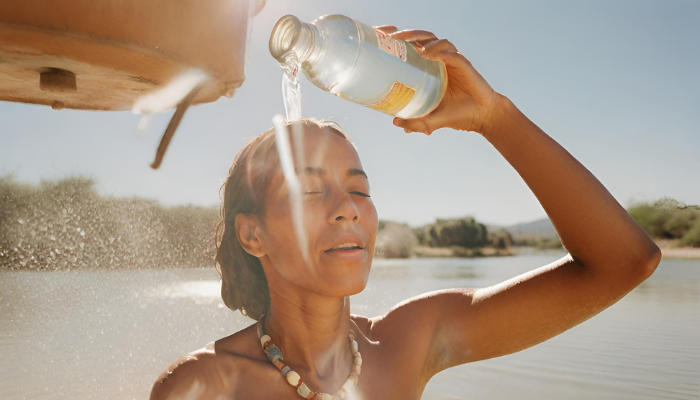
(360, 63)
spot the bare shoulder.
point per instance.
(417, 313)
(417, 324)
(187, 377)
(208, 373)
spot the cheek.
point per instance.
(371, 220)
(281, 241)
(369, 212)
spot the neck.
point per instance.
(312, 331)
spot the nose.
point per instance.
(344, 209)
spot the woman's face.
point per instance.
(339, 217)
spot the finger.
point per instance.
(415, 36)
(413, 125)
(438, 46)
(449, 57)
(388, 29)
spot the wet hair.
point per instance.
(243, 282)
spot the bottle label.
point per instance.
(392, 46)
(395, 100)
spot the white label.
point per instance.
(391, 46)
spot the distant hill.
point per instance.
(542, 228)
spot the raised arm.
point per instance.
(609, 254)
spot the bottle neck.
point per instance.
(290, 35)
(307, 42)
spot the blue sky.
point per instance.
(616, 83)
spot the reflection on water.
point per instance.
(107, 334)
(209, 291)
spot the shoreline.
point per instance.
(669, 249)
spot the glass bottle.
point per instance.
(359, 63)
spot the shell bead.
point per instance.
(273, 351)
(348, 385)
(275, 355)
(303, 390)
(293, 378)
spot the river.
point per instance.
(106, 334)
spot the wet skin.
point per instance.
(309, 318)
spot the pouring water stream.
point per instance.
(291, 94)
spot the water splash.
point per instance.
(67, 225)
(144, 122)
(172, 94)
(284, 149)
(180, 93)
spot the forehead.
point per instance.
(315, 146)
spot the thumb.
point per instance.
(413, 125)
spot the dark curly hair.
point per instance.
(243, 282)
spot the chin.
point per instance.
(347, 284)
(350, 288)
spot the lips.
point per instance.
(347, 241)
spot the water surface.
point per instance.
(107, 334)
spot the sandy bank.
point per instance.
(670, 249)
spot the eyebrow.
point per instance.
(322, 171)
(355, 171)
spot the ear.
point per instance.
(249, 234)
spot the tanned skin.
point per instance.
(609, 255)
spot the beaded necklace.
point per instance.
(274, 354)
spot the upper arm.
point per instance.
(457, 326)
(194, 376)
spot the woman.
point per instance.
(302, 299)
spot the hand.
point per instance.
(469, 102)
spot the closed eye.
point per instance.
(313, 192)
(360, 194)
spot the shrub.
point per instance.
(665, 218)
(464, 232)
(692, 237)
(500, 239)
(459, 251)
(395, 241)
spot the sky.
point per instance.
(616, 83)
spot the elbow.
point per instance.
(647, 260)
